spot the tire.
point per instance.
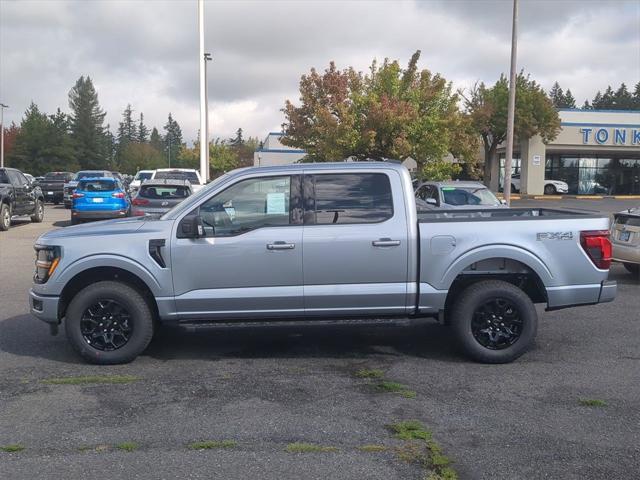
(38, 215)
(105, 298)
(550, 190)
(5, 217)
(470, 313)
(68, 207)
(632, 268)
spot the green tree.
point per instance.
(155, 140)
(238, 140)
(86, 125)
(569, 101)
(140, 156)
(636, 97)
(586, 105)
(127, 130)
(222, 158)
(143, 131)
(42, 143)
(172, 139)
(389, 113)
(534, 115)
(622, 99)
(556, 95)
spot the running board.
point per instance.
(192, 326)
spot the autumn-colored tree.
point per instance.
(389, 113)
(10, 134)
(487, 107)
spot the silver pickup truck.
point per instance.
(314, 243)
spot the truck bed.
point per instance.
(498, 214)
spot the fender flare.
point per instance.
(497, 251)
(112, 261)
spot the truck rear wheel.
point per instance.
(109, 323)
(494, 321)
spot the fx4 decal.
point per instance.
(554, 236)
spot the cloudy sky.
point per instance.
(145, 52)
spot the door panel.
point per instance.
(356, 267)
(250, 262)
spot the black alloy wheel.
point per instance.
(106, 325)
(496, 324)
(550, 190)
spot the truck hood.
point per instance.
(119, 226)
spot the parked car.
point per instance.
(140, 177)
(334, 241)
(156, 197)
(455, 195)
(625, 237)
(32, 180)
(70, 186)
(193, 176)
(53, 186)
(551, 187)
(99, 198)
(18, 197)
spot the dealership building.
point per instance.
(595, 152)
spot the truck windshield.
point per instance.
(143, 176)
(97, 185)
(468, 196)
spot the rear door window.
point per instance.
(345, 198)
(164, 192)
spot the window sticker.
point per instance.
(276, 203)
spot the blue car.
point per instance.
(99, 199)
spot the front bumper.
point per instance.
(98, 214)
(44, 307)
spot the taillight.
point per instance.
(118, 195)
(77, 195)
(597, 245)
(140, 201)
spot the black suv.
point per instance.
(18, 196)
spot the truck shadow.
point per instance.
(26, 336)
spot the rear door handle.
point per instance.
(280, 246)
(385, 242)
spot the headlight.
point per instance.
(47, 259)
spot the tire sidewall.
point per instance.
(38, 215)
(131, 300)
(480, 293)
(550, 190)
(5, 224)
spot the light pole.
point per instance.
(207, 58)
(2, 107)
(259, 159)
(202, 62)
(511, 108)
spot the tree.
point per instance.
(172, 139)
(636, 97)
(86, 124)
(586, 105)
(622, 99)
(42, 143)
(388, 113)
(534, 115)
(127, 130)
(10, 135)
(143, 131)
(140, 156)
(557, 96)
(569, 101)
(155, 140)
(222, 157)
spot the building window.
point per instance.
(592, 174)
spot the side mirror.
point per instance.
(191, 227)
(431, 201)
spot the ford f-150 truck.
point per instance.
(18, 196)
(317, 243)
(53, 185)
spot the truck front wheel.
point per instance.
(109, 323)
(494, 321)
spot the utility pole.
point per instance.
(511, 108)
(2, 107)
(204, 140)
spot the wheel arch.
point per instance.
(102, 273)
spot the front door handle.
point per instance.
(385, 242)
(280, 246)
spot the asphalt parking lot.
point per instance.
(266, 388)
